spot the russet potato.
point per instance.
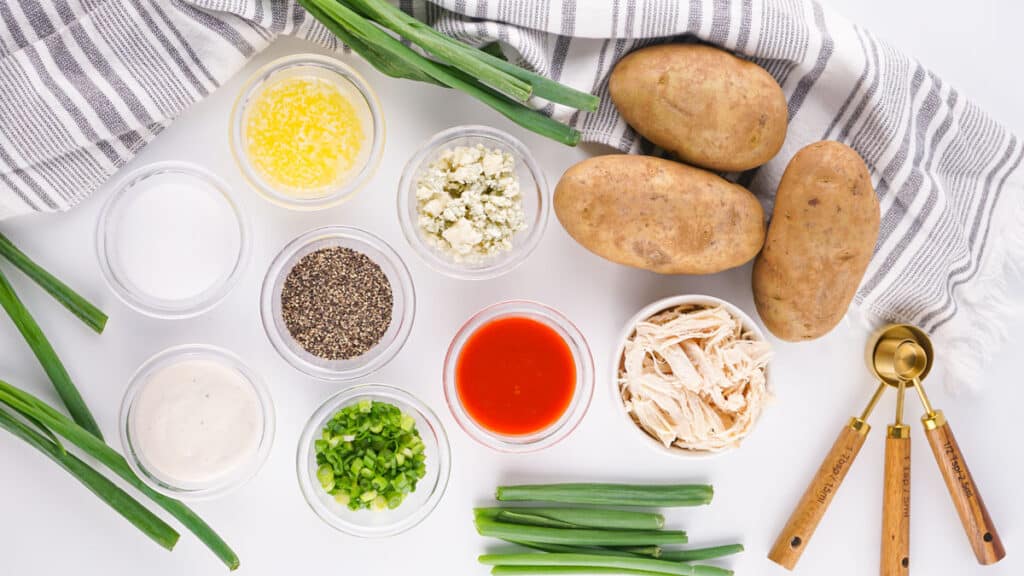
(659, 215)
(820, 241)
(706, 106)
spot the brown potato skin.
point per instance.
(659, 215)
(708, 107)
(820, 241)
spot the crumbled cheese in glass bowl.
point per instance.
(468, 203)
(473, 202)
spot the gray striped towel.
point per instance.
(84, 84)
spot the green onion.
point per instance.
(577, 536)
(610, 494)
(541, 570)
(150, 524)
(531, 520)
(30, 406)
(441, 46)
(370, 455)
(449, 52)
(46, 355)
(652, 551)
(599, 561)
(92, 316)
(585, 517)
(390, 56)
(379, 59)
(701, 553)
(567, 548)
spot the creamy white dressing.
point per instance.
(196, 421)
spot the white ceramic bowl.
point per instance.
(648, 311)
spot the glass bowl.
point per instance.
(582, 393)
(650, 310)
(416, 506)
(402, 311)
(113, 221)
(533, 189)
(137, 459)
(353, 86)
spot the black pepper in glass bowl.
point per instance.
(337, 303)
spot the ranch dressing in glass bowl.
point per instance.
(196, 422)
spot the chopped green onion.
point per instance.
(370, 456)
(150, 524)
(92, 316)
(701, 553)
(577, 536)
(47, 356)
(600, 561)
(585, 517)
(667, 495)
(30, 406)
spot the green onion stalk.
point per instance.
(668, 495)
(491, 80)
(600, 561)
(43, 415)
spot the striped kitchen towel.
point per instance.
(84, 84)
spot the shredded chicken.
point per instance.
(691, 377)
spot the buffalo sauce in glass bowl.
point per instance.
(518, 376)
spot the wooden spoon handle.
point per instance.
(805, 518)
(896, 503)
(981, 532)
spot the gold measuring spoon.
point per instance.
(793, 539)
(895, 360)
(981, 532)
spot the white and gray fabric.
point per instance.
(84, 84)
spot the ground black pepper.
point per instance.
(336, 303)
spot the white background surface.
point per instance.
(51, 525)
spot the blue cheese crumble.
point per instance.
(468, 203)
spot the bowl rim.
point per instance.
(585, 377)
(390, 393)
(406, 200)
(345, 73)
(646, 312)
(141, 302)
(276, 272)
(168, 357)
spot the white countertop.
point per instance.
(52, 525)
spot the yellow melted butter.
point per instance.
(303, 135)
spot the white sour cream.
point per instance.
(195, 422)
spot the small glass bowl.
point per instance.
(627, 330)
(108, 249)
(582, 393)
(416, 506)
(533, 189)
(137, 460)
(352, 85)
(402, 311)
